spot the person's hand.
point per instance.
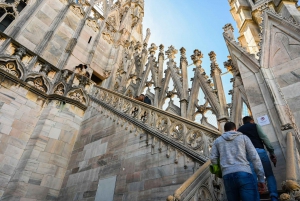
(262, 188)
(273, 159)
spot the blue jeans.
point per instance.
(240, 186)
(271, 182)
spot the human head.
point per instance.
(247, 119)
(142, 96)
(229, 126)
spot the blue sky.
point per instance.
(192, 24)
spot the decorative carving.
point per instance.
(171, 52)
(60, 89)
(108, 34)
(161, 50)
(107, 73)
(77, 95)
(183, 55)
(38, 83)
(204, 194)
(177, 131)
(45, 69)
(126, 106)
(20, 52)
(112, 21)
(152, 49)
(196, 57)
(228, 31)
(195, 139)
(138, 47)
(77, 10)
(162, 124)
(11, 68)
(93, 24)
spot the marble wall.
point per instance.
(36, 141)
(104, 150)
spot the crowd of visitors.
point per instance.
(243, 161)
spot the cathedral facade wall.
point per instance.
(287, 75)
(108, 154)
(36, 140)
(66, 35)
(20, 111)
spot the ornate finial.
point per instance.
(182, 51)
(145, 45)
(171, 52)
(148, 34)
(228, 30)
(138, 46)
(183, 55)
(65, 74)
(20, 52)
(152, 49)
(229, 66)
(161, 50)
(45, 68)
(83, 81)
(126, 44)
(196, 57)
(132, 44)
(214, 65)
(212, 55)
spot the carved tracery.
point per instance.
(77, 95)
(37, 82)
(11, 68)
(60, 89)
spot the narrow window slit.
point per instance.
(90, 39)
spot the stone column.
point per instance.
(218, 86)
(161, 58)
(184, 75)
(290, 158)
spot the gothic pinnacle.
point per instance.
(196, 57)
(228, 31)
(212, 55)
(152, 49)
(171, 52)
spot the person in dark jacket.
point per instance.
(144, 99)
(259, 140)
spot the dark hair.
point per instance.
(229, 126)
(247, 119)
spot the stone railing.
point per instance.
(184, 136)
(202, 185)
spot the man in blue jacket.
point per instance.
(259, 139)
